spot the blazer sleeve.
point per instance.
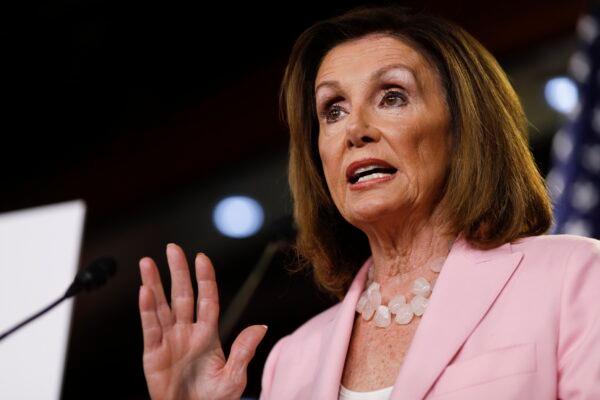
(579, 329)
(269, 369)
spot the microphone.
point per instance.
(94, 276)
(89, 278)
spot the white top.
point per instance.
(380, 394)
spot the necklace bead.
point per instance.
(402, 312)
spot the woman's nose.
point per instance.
(359, 132)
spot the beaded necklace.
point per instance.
(369, 303)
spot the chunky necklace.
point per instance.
(369, 303)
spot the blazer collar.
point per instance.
(468, 284)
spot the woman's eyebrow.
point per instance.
(374, 76)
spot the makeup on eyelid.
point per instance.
(381, 72)
(401, 77)
(386, 88)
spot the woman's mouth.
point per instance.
(368, 172)
(370, 177)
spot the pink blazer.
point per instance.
(521, 321)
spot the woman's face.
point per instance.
(378, 98)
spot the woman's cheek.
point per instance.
(332, 183)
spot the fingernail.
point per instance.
(266, 327)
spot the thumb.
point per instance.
(243, 349)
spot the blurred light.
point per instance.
(238, 216)
(579, 66)
(587, 28)
(561, 94)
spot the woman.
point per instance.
(420, 207)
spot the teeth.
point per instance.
(367, 168)
(372, 176)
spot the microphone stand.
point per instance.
(282, 233)
(28, 320)
(89, 278)
(243, 296)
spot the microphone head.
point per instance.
(93, 276)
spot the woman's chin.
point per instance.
(368, 213)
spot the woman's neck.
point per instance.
(401, 253)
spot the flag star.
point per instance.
(587, 28)
(578, 226)
(579, 66)
(575, 111)
(584, 196)
(591, 158)
(562, 145)
(555, 183)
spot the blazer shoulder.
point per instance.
(315, 325)
(295, 354)
(556, 244)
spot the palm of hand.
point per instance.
(184, 359)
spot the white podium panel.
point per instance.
(39, 257)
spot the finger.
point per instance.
(208, 292)
(151, 328)
(182, 294)
(243, 350)
(151, 279)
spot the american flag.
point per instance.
(574, 179)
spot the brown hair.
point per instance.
(493, 188)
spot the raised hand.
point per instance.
(184, 359)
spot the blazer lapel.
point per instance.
(468, 284)
(336, 339)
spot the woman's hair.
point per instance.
(493, 193)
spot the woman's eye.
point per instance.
(329, 107)
(330, 111)
(395, 95)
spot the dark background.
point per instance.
(151, 112)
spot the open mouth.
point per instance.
(369, 173)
